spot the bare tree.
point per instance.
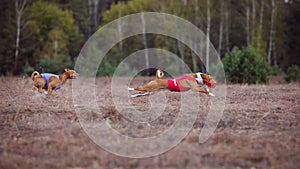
(221, 27)
(261, 20)
(94, 14)
(120, 32)
(247, 22)
(261, 15)
(272, 30)
(253, 18)
(95, 19)
(194, 59)
(90, 14)
(180, 47)
(227, 26)
(20, 7)
(181, 51)
(207, 35)
(274, 52)
(145, 42)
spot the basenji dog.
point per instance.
(49, 81)
(180, 84)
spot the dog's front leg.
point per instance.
(40, 90)
(49, 91)
(141, 89)
(199, 89)
(39, 86)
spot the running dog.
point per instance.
(180, 84)
(49, 81)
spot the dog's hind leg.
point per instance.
(140, 89)
(140, 94)
(130, 89)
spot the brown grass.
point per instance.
(259, 129)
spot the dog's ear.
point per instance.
(67, 69)
(206, 76)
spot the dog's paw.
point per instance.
(206, 88)
(211, 94)
(130, 89)
(140, 94)
(133, 95)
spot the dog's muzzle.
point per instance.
(75, 76)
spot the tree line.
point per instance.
(48, 34)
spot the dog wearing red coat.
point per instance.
(179, 84)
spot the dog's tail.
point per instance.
(159, 74)
(34, 75)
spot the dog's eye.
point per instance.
(160, 74)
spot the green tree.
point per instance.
(80, 13)
(293, 74)
(138, 42)
(50, 23)
(288, 35)
(77, 20)
(55, 45)
(7, 36)
(245, 66)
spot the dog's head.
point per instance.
(72, 74)
(205, 79)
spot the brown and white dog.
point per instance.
(180, 84)
(50, 81)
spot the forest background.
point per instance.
(47, 35)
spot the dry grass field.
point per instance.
(260, 128)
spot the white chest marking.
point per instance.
(199, 78)
(174, 81)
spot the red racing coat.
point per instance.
(175, 86)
